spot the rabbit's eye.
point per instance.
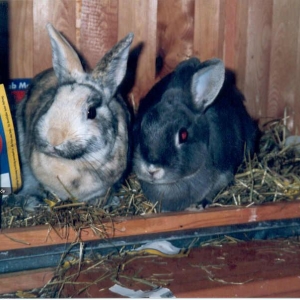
(92, 112)
(183, 135)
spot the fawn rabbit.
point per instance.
(73, 125)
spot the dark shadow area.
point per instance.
(4, 60)
(4, 35)
(159, 62)
(130, 76)
(124, 90)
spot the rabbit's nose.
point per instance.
(56, 136)
(152, 173)
(155, 172)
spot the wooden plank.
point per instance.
(175, 33)
(265, 288)
(78, 8)
(221, 31)
(168, 222)
(258, 39)
(62, 15)
(284, 54)
(98, 28)
(208, 29)
(24, 281)
(235, 43)
(282, 287)
(140, 17)
(258, 57)
(245, 269)
(230, 33)
(241, 42)
(20, 39)
(240, 269)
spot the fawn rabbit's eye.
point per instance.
(92, 112)
(183, 135)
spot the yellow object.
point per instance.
(182, 253)
(21, 294)
(50, 203)
(10, 141)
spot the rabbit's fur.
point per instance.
(191, 133)
(73, 125)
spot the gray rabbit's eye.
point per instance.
(183, 135)
(92, 112)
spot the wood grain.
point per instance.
(236, 269)
(284, 56)
(175, 33)
(168, 222)
(241, 42)
(235, 43)
(230, 33)
(98, 28)
(258, 39)
(258, 57)
(208, 29)
(21, 39)
(62, 15)
(140, 17)
(24, 281)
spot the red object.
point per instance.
(18, 95)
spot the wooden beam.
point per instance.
(24, 281)
(139, 225)
(140, 17)
(21, 39)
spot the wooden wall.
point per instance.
(259, 39)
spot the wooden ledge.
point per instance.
(244, 269)
(22, 238)
(24, 281)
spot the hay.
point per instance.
(76, 215)
(272, 175)
(109, 268)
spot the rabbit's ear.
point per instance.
(207, 82)
(111, 69)
(66, 63)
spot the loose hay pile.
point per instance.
(79, 215)
(272, 175)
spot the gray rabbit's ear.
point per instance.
(111, 69)
(66, 63)
(207, 82)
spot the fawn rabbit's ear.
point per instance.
(66, 63)
(207, 83)
(111, 69)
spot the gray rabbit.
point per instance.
(191, 133)
(73, 125)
